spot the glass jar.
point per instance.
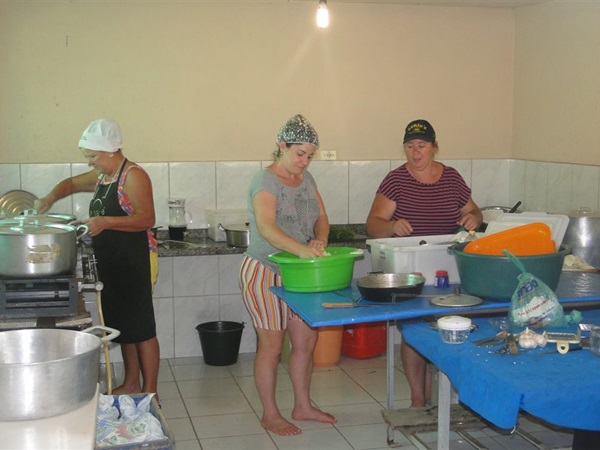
(454, 329)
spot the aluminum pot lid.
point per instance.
(16, 202)
(32, 216)
(19, 228)
(456, 300)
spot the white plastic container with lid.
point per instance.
(454, 329)
(424, 254)
(558, 223)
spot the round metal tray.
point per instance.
(456, 300)
(15, 202)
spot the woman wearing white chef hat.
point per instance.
(121, 215)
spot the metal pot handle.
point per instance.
(85, 231)
(112, 332)
(221, 227)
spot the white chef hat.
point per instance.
(103, 135)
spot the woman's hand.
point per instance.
(96, 225)
(317, 243)
(401, 227)
(311, 252)
(469, 222)
(41, 205)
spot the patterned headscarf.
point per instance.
(298, 130)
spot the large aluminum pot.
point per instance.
(237, 235)
(38, 249)
(583, 235)
(47, 372)
(384, 287)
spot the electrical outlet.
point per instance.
(328, 155)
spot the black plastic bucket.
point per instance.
(220, 342)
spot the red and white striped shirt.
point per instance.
(430, 208)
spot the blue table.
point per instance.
(575, 290)
(561, 389)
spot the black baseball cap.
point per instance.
(419, 129)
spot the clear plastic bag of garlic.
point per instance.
(530, 339)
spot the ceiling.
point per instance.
(475, 3)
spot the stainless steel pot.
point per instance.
(381, 287)
(583, 235)
(47, 372)
(38, 249)
(237, 235)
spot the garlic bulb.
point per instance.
(530, 339)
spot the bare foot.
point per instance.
(280, 426)
(126, 390)
(313, 413)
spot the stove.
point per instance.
(51, 296)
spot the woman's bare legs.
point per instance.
(266, 364)
(303, 339)
(142, 357)
(415, 369)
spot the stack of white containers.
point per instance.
(409, 254)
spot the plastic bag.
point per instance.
(533, 303)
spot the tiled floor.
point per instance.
(209, 408)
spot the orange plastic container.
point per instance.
(328, 350)
(364, 340)
(526, 240)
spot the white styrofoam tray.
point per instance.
(557, 222)
(405, 255)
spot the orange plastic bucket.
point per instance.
(328, 350)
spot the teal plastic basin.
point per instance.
(495, 277)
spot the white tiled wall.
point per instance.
(194, 290)
(347, 187)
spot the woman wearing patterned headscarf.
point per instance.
(286, 213)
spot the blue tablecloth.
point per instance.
(561, 389)
(573, 288)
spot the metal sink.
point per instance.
(181, 245)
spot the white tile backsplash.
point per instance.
(196, 183)
(560, 178)
(195, 275)
(584, 188)
(332, 180)
(488, 182)
(347, 187)
(10, 179)
(232, 180)
(365, 177)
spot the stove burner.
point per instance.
(38, 297)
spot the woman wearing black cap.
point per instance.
(421, 197)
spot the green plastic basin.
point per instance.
(326, 273)
(495, 277)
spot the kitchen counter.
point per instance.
(197, 243)
(73, 430)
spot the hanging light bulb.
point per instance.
(322, 14)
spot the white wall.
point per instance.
(557, 83)
(214, 80)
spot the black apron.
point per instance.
(124, 269)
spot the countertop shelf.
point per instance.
(198, 244)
